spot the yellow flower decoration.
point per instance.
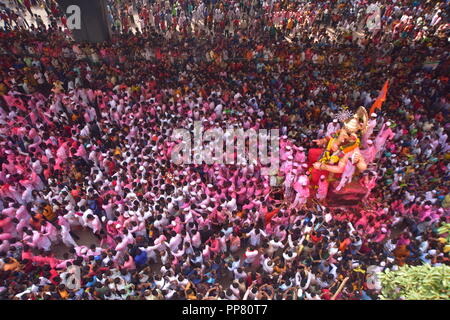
(334, 159)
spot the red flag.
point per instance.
(14, 102)
(381, 97)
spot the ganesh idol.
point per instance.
(339, 159)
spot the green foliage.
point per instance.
(444, 230)
(416, 283)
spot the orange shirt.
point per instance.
(36, 222)
(13, 266)
(48, 213)
(63, 293)
(344, 244)
(270, 215)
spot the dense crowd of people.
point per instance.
(85, 144)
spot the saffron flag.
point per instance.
(381, 97)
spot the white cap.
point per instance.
(369, 142)
(388, 123)
(374, 115)
(335, 120)
(322, 177)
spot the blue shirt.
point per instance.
(141, 258)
